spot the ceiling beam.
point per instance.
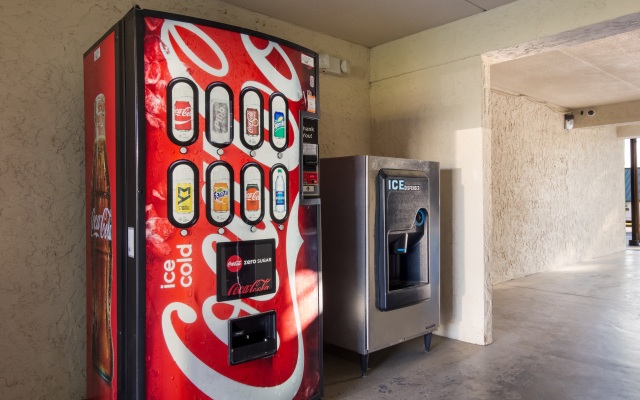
(628, 131)
(610, 114)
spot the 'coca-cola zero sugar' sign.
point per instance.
(245, 269)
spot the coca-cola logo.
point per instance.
(253, 195)
(182, 109)
(252, 121)
(261, 285)
(234, 263)
(101, 224)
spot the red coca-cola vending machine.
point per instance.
(203, 237)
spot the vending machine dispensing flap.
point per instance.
(252, 337)
(402, 239)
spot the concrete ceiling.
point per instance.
(594, 73)
(605, 71)
(369, 22)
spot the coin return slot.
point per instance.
(252, 337)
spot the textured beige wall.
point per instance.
(42, 290)
(447, 117)
(558, 196)
(435, 114)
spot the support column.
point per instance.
(634, 196)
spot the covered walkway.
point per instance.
(569, 333)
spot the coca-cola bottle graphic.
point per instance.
(101, 341)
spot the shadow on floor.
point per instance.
(569, 333)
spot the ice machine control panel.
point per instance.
(402, 243)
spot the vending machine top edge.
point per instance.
(203, 233)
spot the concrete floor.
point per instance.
(570, 333)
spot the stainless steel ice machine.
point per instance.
(381, 251)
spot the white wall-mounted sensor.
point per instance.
(332, 65)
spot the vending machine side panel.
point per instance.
(103, 119)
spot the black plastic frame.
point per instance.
(272, 192)
(243, 126)
(242, 198)
(195, 112)
(286, 121)
(208, 116)
(209, 200)
(196, 193)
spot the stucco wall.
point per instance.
(558, 195)
(42, 290)
(445, 98)
(435, 114)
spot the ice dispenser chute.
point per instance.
(402, 239)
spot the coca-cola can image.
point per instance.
(252, 121)
(182, 115)
(252, 197)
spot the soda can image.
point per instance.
(278, 125)
(184, 198)
(182, 193)
(278, 122)
(252, 122)
(252, 198)
(220, 122)
(182, 115)
(220, 197)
